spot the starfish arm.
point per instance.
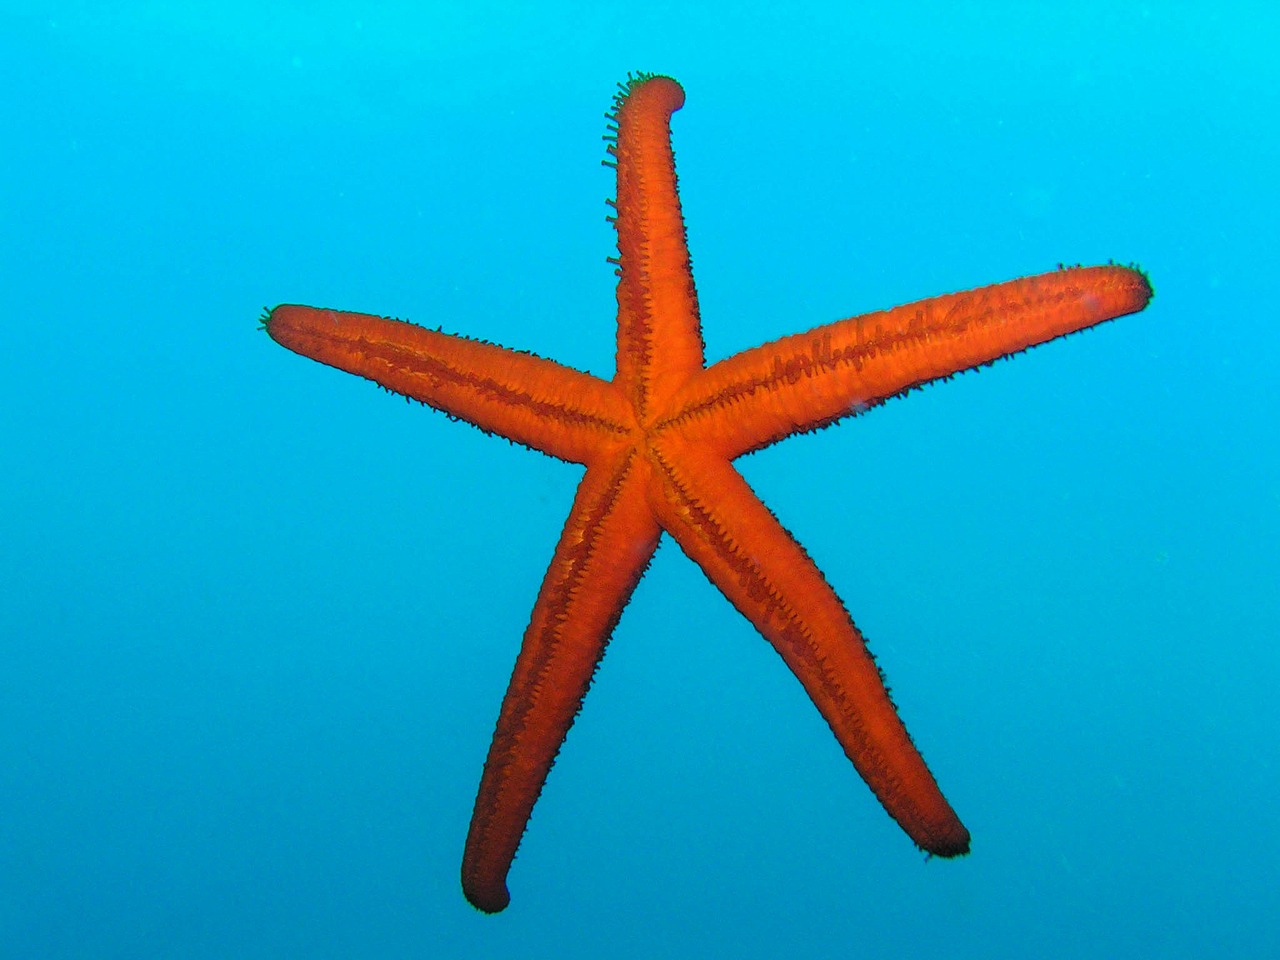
(659, 333)
(809, 380)
(742, 548)
(528, 399)
(604, 549)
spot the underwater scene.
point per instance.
(890, 389)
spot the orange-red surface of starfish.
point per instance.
(658, 442)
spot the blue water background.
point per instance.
(257, 616)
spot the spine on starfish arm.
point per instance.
(659, 332)
(810, 380)
(525, 398)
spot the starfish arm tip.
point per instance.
(954, 842)
(487, 896)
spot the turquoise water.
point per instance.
(257, 616)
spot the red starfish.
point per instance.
(658, 442)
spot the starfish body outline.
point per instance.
(658, 442)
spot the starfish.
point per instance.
(658, 442)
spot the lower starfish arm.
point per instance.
(537, 402)
(720, 523)
(606, 545)
(812, 379)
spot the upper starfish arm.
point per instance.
(606, 544)
(659, 333)
(525, 398)
(806, 381)
(723, 526)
